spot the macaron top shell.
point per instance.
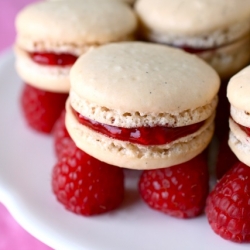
(62, 22)
(143, 77)
(195, 17)
(238, 90)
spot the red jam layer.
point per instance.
(245, 129)
(147, 136)
(193, 50)
(52, 59)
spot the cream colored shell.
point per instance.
(143, 77)
(229, 59)
(242, 117)
(130, 155)
(240, 150)
(77, 23)
(126, 119)
(204, 23)
(238, 90)
(239, 142)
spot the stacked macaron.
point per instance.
(147, 107)
(238, 94)
(141, 106)
(217, 31)
(48, 46)
(228, 206)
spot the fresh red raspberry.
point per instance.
(61, 136)
(41, 108)
(225, 158)
(85, 185)
(178, 191)
(228, 205)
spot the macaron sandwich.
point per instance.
(238, 93)
(141, 106)
(217, 31)
(228, 203)
(51, 35)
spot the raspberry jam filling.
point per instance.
(147, 136)
(245, 129)
(52, 59)
(193, 50)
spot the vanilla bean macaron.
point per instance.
(141, 106)
(217, 31)
(51, 35)
(238, 93)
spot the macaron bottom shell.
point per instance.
(134, 156)
(230, 58)
(239, 143)
(54, 78)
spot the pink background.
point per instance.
(12, 236)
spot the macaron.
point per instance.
(51, 35)
(217, 31)
(238, 93)
(139, 105)
(60, 31)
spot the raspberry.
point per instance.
(41, 108)
(85, 185)
(225, 159)
(178, 191)
(61, 136)
(228, 205)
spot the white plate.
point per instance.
(26, 160)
